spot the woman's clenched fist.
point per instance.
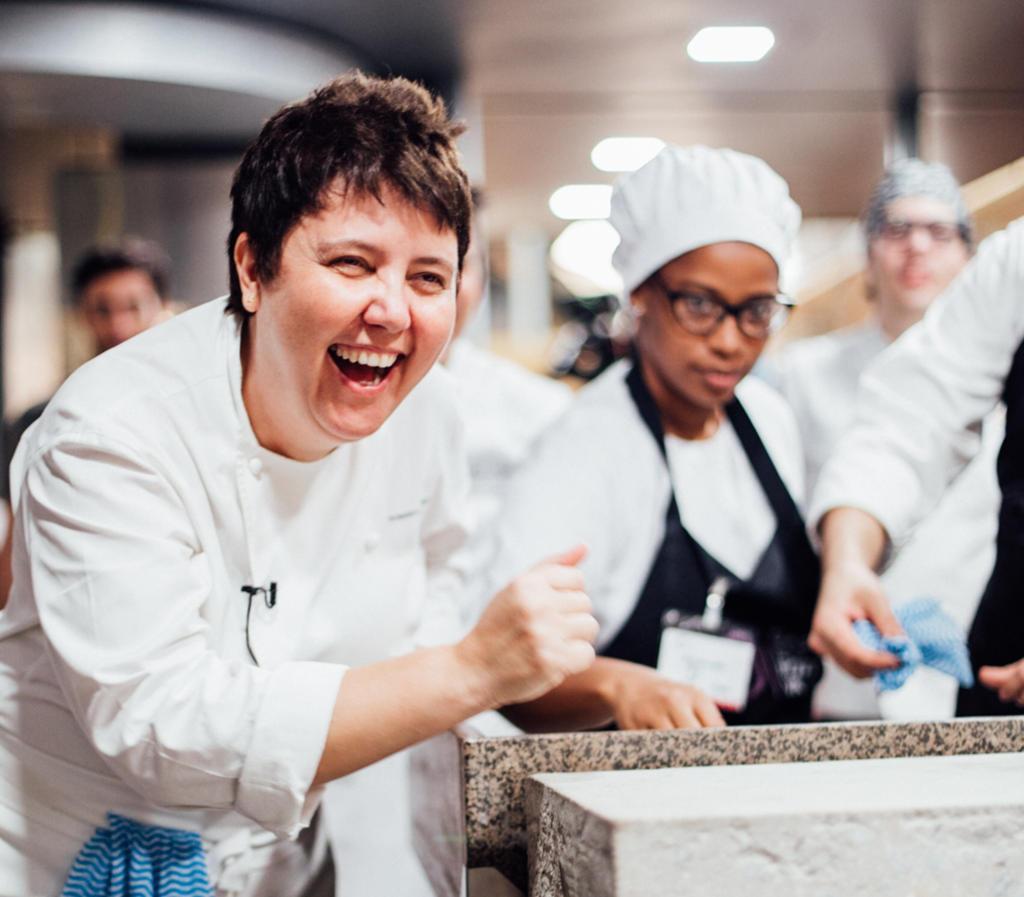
(535, 632)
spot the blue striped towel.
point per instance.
(129, 859)
(932, 638)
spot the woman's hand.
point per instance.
(642, 699)
(852, 592)
(537, 631)
(852, 545)
(1007, 680)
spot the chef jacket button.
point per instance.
(372, 541)
(255, 466)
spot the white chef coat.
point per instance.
(824, 405)
(598, 478)
(504, 408)
(951, 554)
(145, 504)
(922, 403)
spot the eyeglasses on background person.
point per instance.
(898, 229)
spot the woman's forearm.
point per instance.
(391, 705)
(631, 695)
(852, 536)
(583, 701)
(535, 633)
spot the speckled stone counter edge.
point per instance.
(494, 770)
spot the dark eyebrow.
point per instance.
(692, 286)
(907, 219)
(332, 246)
(434, 260)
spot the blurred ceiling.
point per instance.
(547, 79)
(416, 38)
(205, 74)
(555, 76)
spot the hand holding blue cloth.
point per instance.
(129, 859)
(932, 638)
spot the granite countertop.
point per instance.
(494, 769)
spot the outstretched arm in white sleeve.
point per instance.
(918, 421)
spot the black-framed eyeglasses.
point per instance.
(701, 312)
(899, 229)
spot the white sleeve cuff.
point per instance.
(274, 789)
(872, 499)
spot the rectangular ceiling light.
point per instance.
(625, 153)
(747, 43)
(577, 201)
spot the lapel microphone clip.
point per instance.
(269, 593)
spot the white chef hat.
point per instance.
(688, 197)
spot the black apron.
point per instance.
(777, 601)
(997, 634)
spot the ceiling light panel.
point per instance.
(747, 43)
(582, 256)
(580, 201)
(625, 153)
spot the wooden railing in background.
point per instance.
(836, 297)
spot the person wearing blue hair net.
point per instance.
(918, 426)
(919, 237)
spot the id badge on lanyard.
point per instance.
(709, 652)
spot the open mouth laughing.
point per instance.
(364, 366)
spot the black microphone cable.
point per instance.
(269, 599)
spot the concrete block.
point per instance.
(905, 827)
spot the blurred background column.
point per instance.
(903, 138)
(127, 118)
(529, 290)
(33, 337)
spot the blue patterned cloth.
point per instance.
(129, 859)
(932, 638)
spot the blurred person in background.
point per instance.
(223, 575)
(681, 474)
(593, 338)
(919, 237)
(118, 290)
(919, 420)
(121, 290)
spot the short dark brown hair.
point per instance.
(131, 254)
(361, 133)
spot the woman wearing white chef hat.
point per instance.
(681, 474)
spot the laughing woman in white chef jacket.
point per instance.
(680, 474)
(216, 570)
